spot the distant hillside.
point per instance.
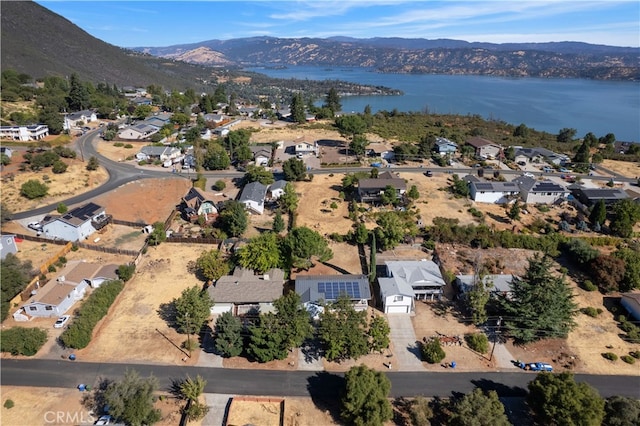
(563, 59)
(39, 42)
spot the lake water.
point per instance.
(594, 106)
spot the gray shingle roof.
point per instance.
(254, 191)
(245, 287)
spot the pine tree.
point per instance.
(365, 400)
(372, 261)
(332, 101)
(297, 109)
(228, 339)
(541, 304)
(598, 213)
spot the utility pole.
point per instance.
(495, 337)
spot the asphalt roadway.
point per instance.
(69, 374)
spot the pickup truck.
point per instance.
(534, 366)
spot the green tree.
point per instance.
(389, 196)
(22, 341)
(358, 145)
(303, 244)
(258, 174)
(556, 399)
(216, 158)
(420, 412)
(478, 342)
(288, 201)
(267, 340)
(583, 154)
(343, 331)
(351, 125)
(477, 299)
(332, 101)
(591, 139)
(413, 193)
(630, 255)
(125, 272)
(193, 309)
(294, 170)
(5, 160)
(459, 187)
(392, 229)
(625, 214)
(33, 189)
(93, 164)
(598, 213)
(228, 337)
(566, 135)
(541, 304)
(294, 320)
(234, 219)
(365, 400)
(297, 109)
(158, 234)
(478, 409)
(132, 399)
(78, 98)
(62, 208)
(191, 389)
(212, 264)
(278, 223)
(514, 211)
(581, 251)
(261, 253)
(608, 139)
(522, 131)
(432, 352)
(15, 277)
(379, 334)
(59, 167)
(621, 411)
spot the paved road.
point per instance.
(68, 374)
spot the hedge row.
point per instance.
(78, 334)
(22, 341)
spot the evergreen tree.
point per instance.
(278, 223)
(478, 409)
(234, 218)
(132, 398)
(228, 338)
(583, 155)
(477, 299)
(378, 334)
(541, 304)
(332, 101)
(294, 320)
(288, 201)
(365, 400)
(78, 98)
(372, 259)
(625, 214)
(343, 331)
(303, 244)
(267, 339)
(297, 109)
(514, 211)
(598, 213)
(192, 308)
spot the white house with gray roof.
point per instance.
(493, 192)
(162, 153)
(253, 195)
(423, 276)
(498, 284)
(276, 189)
(79, 118)
(139, 131)
(534, 191)
(76, 224)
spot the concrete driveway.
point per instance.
(406, 353)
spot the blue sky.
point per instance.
(165, 23)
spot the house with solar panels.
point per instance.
(77, 224)
(493, 192)
(540, 191)
(590, 196)
(409, 280)
(317, 290)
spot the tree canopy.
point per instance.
(365, 400)
(557, 399)
(294, 169)
(478, 409)
(261, 253)
(228, 337)
(193, 309)
(258, 174)
(132, 399)
(212, 265)
(343, 331)
(234, 219)
(303, 244)
(541, 304)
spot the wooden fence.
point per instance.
(198, 240)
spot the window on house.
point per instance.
(33, 308)
(397, 298)
(49, 308)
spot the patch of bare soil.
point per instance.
(76, 180)
(126, 152)
(41, 406)
(461, 259)
(320, 208)
(625, 168)
(135, 329)
(269, 411)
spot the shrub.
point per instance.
(8, 404)
(610, 356)
(59, 167)
(219, 185)
(22, 341)
(78, 334)
(478, 342)
(62, 208)
(52, 268)
(128, 146)
(475, 212)
(628, 359)
(74, 247)
(337, 237)
(432, 352)
(589, 286)
(635, 354)
(125, 272)
(118, 144)
(627, 326)
(333, 205)
(33, 189)
(543, 208)
(429, 244)
(591, 311)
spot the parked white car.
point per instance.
(62, 321)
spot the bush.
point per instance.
(219, 185)
(128, 146)
(118, 144)
(610, 356)
(78, 334)
(62, 208)
(432, 352)
(59, 167)
(125, 272)
(22, 341)
(475, 212)
(52, 268)
(478, 342)
(8, 404)
(628, 359)
(591, 311)
(589, 286)
(635, 354)
(429, 244)
(74, 247)
(33, 189)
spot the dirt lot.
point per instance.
(625, 168)
(297, 412)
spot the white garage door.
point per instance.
(397, 309)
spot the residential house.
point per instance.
(397, 296)
(444, 146)
(304, 146)
(214, 118)
(7, 245)
(484, 148)
(141, 100)
(497, 284)
(631, 302)
(79, 118)
(534, 191)
(33, 132)
(317, 290)
(77, 224)
(198, 203)
(493, 192)
(371, 190)
(380, 150)
(5, 150)
(162, 153)
(423, 276)
(261, 155)
(139, 131)
(276, 189)
(252, 196)
(590, 196)
(159, 120)
(539, 155)
(245, 293)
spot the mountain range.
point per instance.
(399, 55)
(38, 42)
